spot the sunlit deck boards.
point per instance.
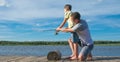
(44, 59)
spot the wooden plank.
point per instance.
(44, 59)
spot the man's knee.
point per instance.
(81, 57)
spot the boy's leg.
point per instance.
(75, 56)
(71, 46)
(75, 42)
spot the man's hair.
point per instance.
(68, 6)
(76, 15)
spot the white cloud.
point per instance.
(30, 9)
(2, 2)
(100, 0)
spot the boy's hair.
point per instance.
(68, 7)
(76, 15)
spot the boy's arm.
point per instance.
(63, 23)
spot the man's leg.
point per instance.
(85, 52)
(71, 46)
(81, 57)
(89, 57)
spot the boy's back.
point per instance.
(67, 15)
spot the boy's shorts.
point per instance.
(75, 38)
(86, 49)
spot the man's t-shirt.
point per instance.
(67, 15)
(83, 32)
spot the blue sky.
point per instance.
(23, 20)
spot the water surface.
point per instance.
(65, 50)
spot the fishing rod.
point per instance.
(43, 30)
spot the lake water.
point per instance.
(65, 50)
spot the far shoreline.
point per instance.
(54, 43)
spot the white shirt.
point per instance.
(83, 32)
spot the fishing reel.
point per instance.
(56, 32)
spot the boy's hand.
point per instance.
(58, 29)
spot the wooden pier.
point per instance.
(44, 59)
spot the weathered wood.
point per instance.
(44, 59)
(54, 55)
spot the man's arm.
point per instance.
(66, 30)
(76, 27)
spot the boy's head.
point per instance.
(67, 7)
(75, 17)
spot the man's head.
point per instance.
(67, 7)
(75, 17)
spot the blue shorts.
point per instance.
(75, 38)
(86, 49)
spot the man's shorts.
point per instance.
(86, 49)
(75, 38)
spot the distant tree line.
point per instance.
(51, 42)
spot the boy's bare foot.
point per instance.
(72, 55)
(74, 58)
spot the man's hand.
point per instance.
(64, 30)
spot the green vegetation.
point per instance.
(2, 43)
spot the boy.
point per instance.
(74, 38)
(81, 28)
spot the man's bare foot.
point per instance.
(89, 59)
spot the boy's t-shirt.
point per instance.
(67, 15)
(83, 32)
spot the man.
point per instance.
(81, 28)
